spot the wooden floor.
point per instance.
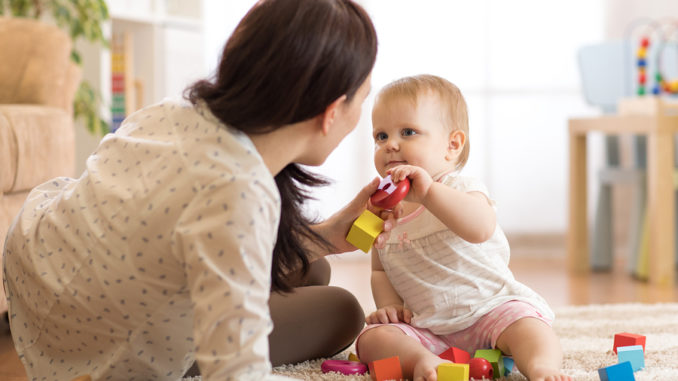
(543, 270)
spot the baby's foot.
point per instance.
(426, 369)
(547, 374)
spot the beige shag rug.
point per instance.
(586, 334)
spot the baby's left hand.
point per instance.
(420, 181)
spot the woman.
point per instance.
(166, 248)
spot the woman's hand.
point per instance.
(336, 227)
(395, 313)
(420, 181)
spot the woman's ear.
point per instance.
(456, 142)
(327, 117)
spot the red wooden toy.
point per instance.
(456, 355)
(389, 194)
(626, 339)
(386, 369)
(480, 368)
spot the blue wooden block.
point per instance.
(508, 365)
(618, 372)
(632, 354)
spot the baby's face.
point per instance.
(405, 133)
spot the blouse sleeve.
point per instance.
(226, 237)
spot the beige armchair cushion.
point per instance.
(38, 144)
(40, 70)
(38, 82)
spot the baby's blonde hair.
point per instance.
(455, 114)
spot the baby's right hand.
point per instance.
(394, 313)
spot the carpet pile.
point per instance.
(586, 335)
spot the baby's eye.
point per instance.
(380, 136)
(408, 132)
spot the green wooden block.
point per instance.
(495, 358)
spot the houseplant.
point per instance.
(81, 19)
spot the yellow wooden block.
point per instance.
(453, 372)
(352, 357)
(365, 230)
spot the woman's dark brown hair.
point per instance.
(286, 61)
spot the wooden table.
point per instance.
(658, 120)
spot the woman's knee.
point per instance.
(349, 309)
(319, 273)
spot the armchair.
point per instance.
(38, 82)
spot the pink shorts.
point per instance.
(482, 334)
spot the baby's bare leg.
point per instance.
(418, 363)
(535, 349)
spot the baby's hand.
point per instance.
(420, 181)
(395, 313)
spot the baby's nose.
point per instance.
(392, 145)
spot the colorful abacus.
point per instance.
(641, 62)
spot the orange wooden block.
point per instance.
(386, 369)
(626, 339)
(456, 355)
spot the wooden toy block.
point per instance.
(508, 365)
(626, 339)
(353, 357)
(365, 230)
(633, 354)
(456, 355)
(386, 369)
(453, 372)
(618, 372)
(495, 358)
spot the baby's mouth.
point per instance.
(394, 163)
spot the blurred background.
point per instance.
(518, 64)
(515, 61)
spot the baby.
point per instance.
(442, 279)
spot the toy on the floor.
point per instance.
(625, 339)
(390, 194)
(456, 355)
(480, 368)
(353, 357)
(618, 372)
(633, 354)
(508, 365)
(494, 357)
(386, 369)
(343, 367)
(630, 350)
(453, 372)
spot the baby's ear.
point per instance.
(456, 142)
